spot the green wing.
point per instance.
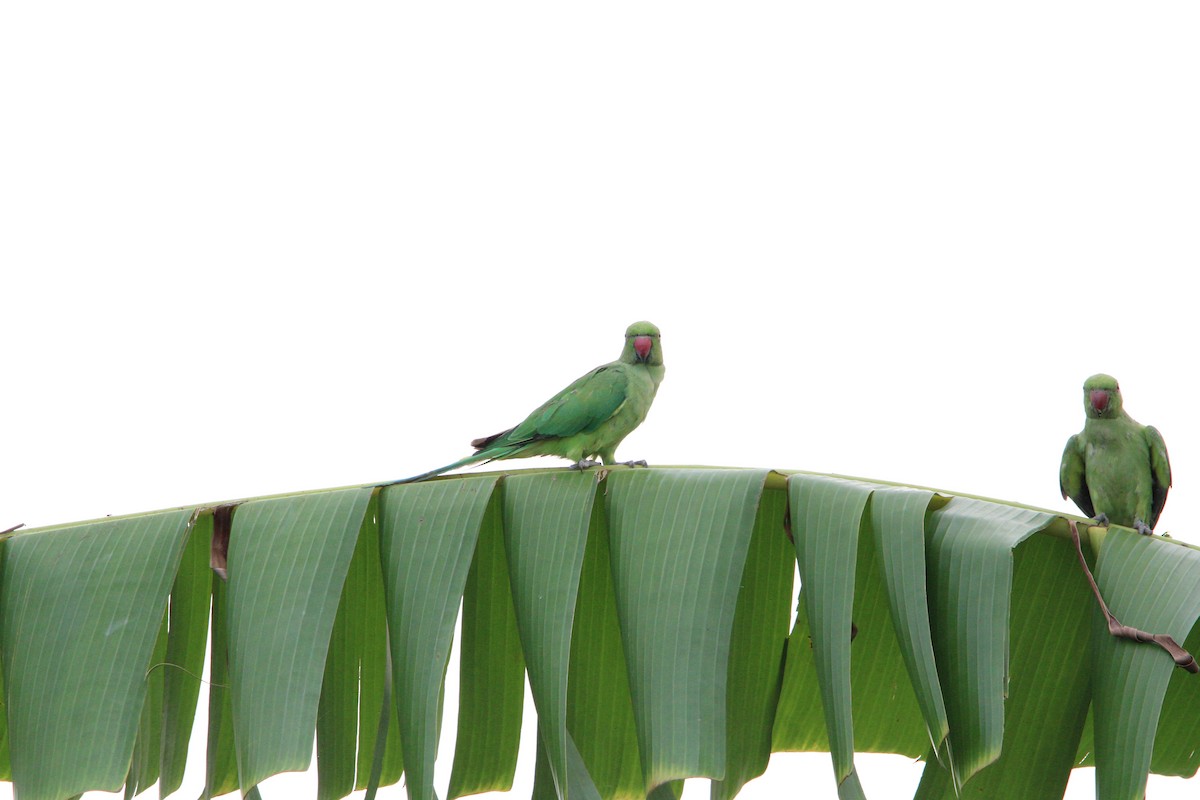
(580, 408)
(1071, 479)
(1160, 467)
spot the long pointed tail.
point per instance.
(490, 454)
(462, 462)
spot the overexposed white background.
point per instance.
(258, 247)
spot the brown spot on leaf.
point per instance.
(219, 552)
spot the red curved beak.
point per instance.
(1099, 400)
(642, 345)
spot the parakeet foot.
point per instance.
(1142, 528)
(1101, 520)
(641, 462)
(584, 463)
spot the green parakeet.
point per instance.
(588, 418)
(1115, 469)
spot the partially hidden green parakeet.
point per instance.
(589, 418)
(1115, 469)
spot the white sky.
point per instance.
(258, 247)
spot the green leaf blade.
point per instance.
(352, 688)
(184, 663)
(492, 669)
(1175, 751)
(599, 704)
(1155, 586)
(220, 767)
(826, 517)
(898, 523)
(546, 522)
(760, 630)
(679, 542)
(374, 684)
(288, 559)
(970, 557)
(144, 767)
(1050, 690)
(80, 611)
(428, 533)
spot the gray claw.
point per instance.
(1102, 520)
(584, 463)
(1142, 528)
(639, 463)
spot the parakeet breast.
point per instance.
(631, 413)
(1117, 470)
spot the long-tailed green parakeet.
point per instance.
(1115, 469)
(587, 419)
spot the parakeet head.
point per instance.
(642, 344)
(1101, 397)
